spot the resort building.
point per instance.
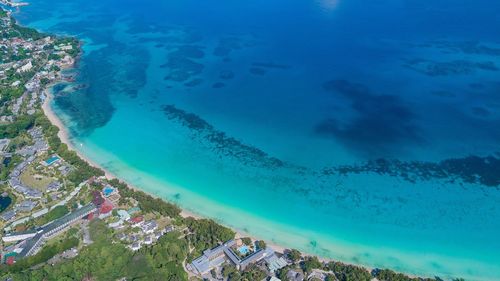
(215, 257)
(241, 264)
(149, 226)
(169, 228)
(124, 215)
(137, 221)
(26, 206)
(133, 210)
(212, 258)
(293, 275)
(148, 240)
(135, 246)
(121, 236)
(33, 240)
(25, 68)
(274, 263)
(7, 216)
(54, 186)
(105, 209)
(4, 143)
(18, 236)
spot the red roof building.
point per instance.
(137, 219)
(90, 216)
(10, 260)
(106, 207)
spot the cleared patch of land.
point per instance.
(35, 179)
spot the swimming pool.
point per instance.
(108, 190)
(243, 250)
(51, 160)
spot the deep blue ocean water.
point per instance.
(365, 131)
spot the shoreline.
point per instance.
(64, 136)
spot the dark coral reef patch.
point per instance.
(219, 141)
(381, 123)
(471, 169)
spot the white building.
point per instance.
(18, 236)
(26, 67)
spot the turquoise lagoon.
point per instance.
(364, 131)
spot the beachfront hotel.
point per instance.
(215, 257)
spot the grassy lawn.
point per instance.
(55, 213)
(31, 178)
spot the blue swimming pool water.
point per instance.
(243, 249)
(365, 131)
(51, 160)
(108, 190)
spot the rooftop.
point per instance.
(7, 216)
(44, 231)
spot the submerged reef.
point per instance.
(182, 64)
(480, 111)
(455, 67)
(218, 85)
(102, 76)
(465, 47)
(188, 51)
(193, 83)
(471, 169)
(443, 94)
(224, 144)
(382, 122)
(226, 75)
(227, 45)
(271, 65)
(257, 71)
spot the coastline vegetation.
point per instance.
(205, 234)
(108, 261)
(82, 170)
(147, 203)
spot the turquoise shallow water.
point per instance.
(365, 132)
